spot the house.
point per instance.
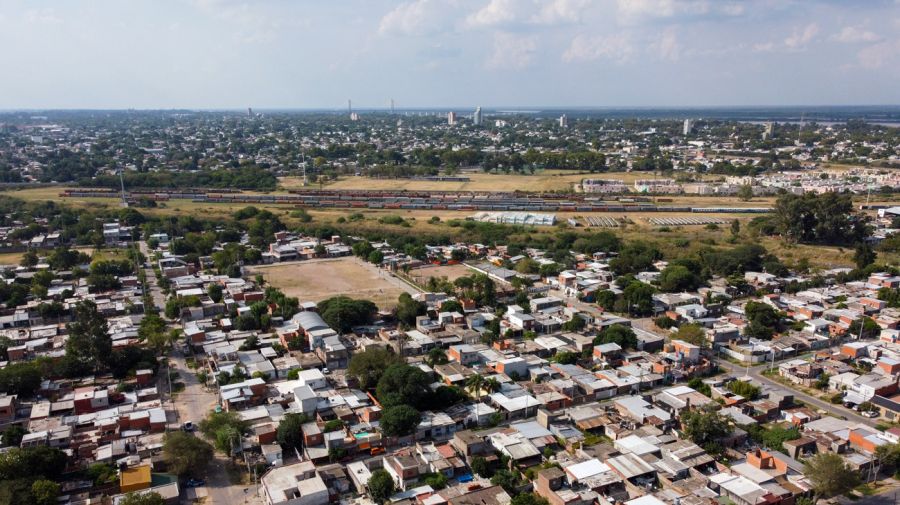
(296, 484)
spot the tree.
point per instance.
(744, 388)
(223, 428)
(528, 266)
(889, 455)
(637, 299)
(31, 462)
(705, 428)
(475, 383)
(12, 436)
(290, 431)
(215, 292)
(606, 299)
(89, 341)
(735, 227)
(402, 384)
(829, 475)
(408, 309)
(507, 479)
(186, 454)
(480, 467)
(565, 357)
(692, 334)
(436, 356)
(762, 320)
(152, 330)
(870, 328)
(343, 313)
(22, 379)
(617, 334)
(437, 481)
(29, 259)
(678, 278)
(745, 193)
(375, 257)
(819, 219)
(399, 420)
(864, 255)
(138, 498)
(45, 492)
(529, 499)
(575, 324)
(380, 485)
(368, 366)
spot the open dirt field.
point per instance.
(451, 272)
(317, 280)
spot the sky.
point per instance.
(196, 54)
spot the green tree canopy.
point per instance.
(186, 454)
(290, 433)
(399, 420)
(402, 384)
(829, 475)
(146, 498)
(343, 313)
(89, 341)
(368, 366)
(380, 485)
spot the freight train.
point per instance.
(416, 200)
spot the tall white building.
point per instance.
(563, 121)
(688, 126)
(451, 118)
(476, 119)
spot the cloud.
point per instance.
(527, 12)
(414, 18)
(800, 38)
(632, 11)
(667, 47)
(514, 52)
(561, 11)
(616, 47)
(879, 55)
(45, 15)
(496, 12)
(853, 34)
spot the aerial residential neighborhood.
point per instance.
(450, 252)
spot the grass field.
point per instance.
(317, 280)
(451, 272)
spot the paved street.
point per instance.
(740, 370)
(836, 410)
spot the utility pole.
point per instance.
(122, 183)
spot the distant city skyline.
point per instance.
(460, 54)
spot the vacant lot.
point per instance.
(317, 280)
(451, 272)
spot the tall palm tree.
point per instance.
(475, 383)
(492, 385)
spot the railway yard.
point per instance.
(419, 200)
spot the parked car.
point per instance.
(188, 426)
(870, 414)
(195, 483)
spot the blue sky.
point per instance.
(318, 53)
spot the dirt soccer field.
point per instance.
(451, 272)
(317, 280)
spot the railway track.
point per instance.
(423, 200)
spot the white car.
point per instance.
(870, 414)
